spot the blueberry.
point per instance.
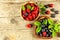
(43, 26)
(47, 35)
(26, 14)
(46, 6)
(56, 12)
(43, 30)
(40, 34)
(52, 9)
(53, 15)
(47, 30)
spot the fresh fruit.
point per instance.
(52, 9)
(30, 11)
(29, 25)
(30, 17)
(24, 11)
(47, 12)
(56, 12)
(26, 14)
(46, 6)
(53, 15)
(44, 34)
(50, 5)
(43, 25)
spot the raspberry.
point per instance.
(29, 25)
(47, 12)
(30, 17)
(50, 5)
(44, 33)
(36, 8)
(27, 19)
(32, 4)
(33, 15)
(28, 10)
(24, 16)
(24, 11)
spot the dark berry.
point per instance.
(26, 14)
(52, 9)
(43, 30)
(46, 6)
(53, 15)
(40, 34)
(56, 12)
(47, 35)
(42, 25)
(47, 30)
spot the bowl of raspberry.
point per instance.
(30, 11)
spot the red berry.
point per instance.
(27, 18)
(36, 8)
(47, 12)
(24, 16)
(50, 5)
(29, 25)
(32, 4)
(28, 10)
(33, 15)
(24, 11)
(30, 17)
(44, 33)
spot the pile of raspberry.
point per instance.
(30, 11)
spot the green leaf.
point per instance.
(42, 12)
(53, 33)
(56, 27)
(38, 29)
(50, 22)
(50, 26)
(37, 23)
(44, 22)
(23, 8)
(41, 5)
(28, 6)
(32, 8)
(43, 9)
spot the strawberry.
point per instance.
(29, 25)
(24, 11)
(44, 33)
(50, 5)
(47, 12)
(30, 17)
(28, 10)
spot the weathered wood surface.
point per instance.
(12, 24)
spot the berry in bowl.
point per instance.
(30, 11)
(45, 27)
